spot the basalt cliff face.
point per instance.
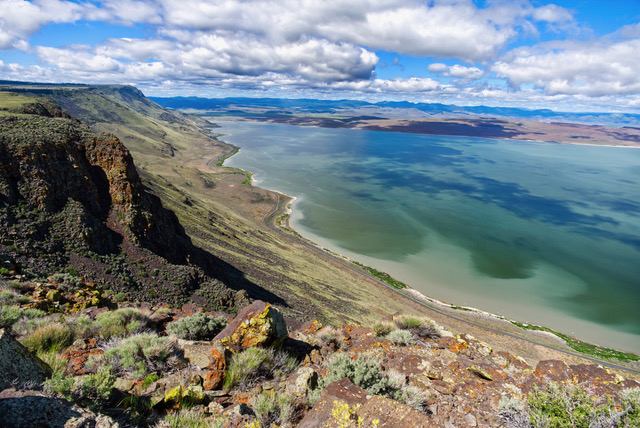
(71, 198)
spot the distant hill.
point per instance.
(390, 109)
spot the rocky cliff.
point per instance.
(73, 199)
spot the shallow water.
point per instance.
(540, 232)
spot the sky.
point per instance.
(569, 55)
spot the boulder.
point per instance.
(18, 366)
(337, 406)
(258, 324)
(35, 409)
(382, 412)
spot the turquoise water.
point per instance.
(540, 232)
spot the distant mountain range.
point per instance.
(387, 109)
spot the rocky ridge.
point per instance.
(73, 199)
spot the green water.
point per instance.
(539, 232)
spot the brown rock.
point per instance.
(553, 370)
(35, 409)
(258, 324)
(218, 357)
(389, 413)
(336, 406)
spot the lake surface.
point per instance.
(543, 233)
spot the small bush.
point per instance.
(383, 328)
(407, 323)
(89, 388)
(8, 297)
(512, 413)
(271, 408)
(420, 328)
(190, 418)
(142, 354)
(199, 326)
(121, 322)
(10, 314)
(364, 372)
(563, 406)
(95, 386)
(330, 337)
(54, 337)
(401, 337)
(255, 365)
(631, 407)
(67, 281)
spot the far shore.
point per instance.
(510, 129)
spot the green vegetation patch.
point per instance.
(583, 347)
(383, 276)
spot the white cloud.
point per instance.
(456, 70)
(592, 69)
(20, 19)
(440, 28)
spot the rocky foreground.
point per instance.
(118, 364)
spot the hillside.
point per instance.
(145, 220)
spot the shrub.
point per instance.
(190, 418)
(329, 336)
(401, 337)
(82, 326)
(418, 327)
(10, 296)
(142, 354)
(271, 408)
(631, 407)
(512, 413)
(255, 365)
(383, 328)
(364, 372)
(89, 388)
(95, 386)
(121, 322)
(399, 390)
(407, 323)
(54, 337)
(67, 281)
(199, 326)
(563, 406)
(10, 314)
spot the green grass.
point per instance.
(583, 347)
(383, 276)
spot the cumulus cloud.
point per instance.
(20, 19)
(592, 69)
(456, 70)
(440, 28)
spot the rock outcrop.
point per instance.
(259, 324)
(35, 409)
(18, 367)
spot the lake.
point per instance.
(543, 233)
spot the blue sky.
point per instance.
(564, 55)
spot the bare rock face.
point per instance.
(344, 404)
(258, 324)
(337, 406)
(35, 409)
(18, 366)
